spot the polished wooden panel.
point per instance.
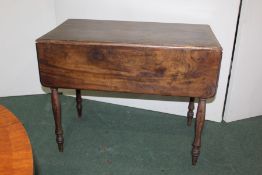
(162, 71)
(15, 149)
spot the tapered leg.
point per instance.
(78, 102)
(190, 112)
(200, 120)
(57, 117)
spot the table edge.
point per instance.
(70, 42)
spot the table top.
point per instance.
(15, 149)
(122, 33)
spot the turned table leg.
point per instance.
(57, 117)
(190, 112)
(199, 124)
(78, 102)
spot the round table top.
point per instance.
(15, 148)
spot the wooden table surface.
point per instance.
(15, 148)
(133, 33)
(136, 57)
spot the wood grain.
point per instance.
(15, 148)
(162, 71)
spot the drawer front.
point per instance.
(148, 70)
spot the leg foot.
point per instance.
(190, 112)
(199, 125)
(195, 154)
(79, 102)
(57, 117)
(60, 147)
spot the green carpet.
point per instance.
(117, 140)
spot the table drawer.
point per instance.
(136, 69)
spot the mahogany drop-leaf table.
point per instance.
(136, 57)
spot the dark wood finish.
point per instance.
(123, 33)
(78, 102)
(16, 156)
(57, 117)
(199, 125)
(135, 57)
(163, 71)
(190, 112)
(150, 58)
